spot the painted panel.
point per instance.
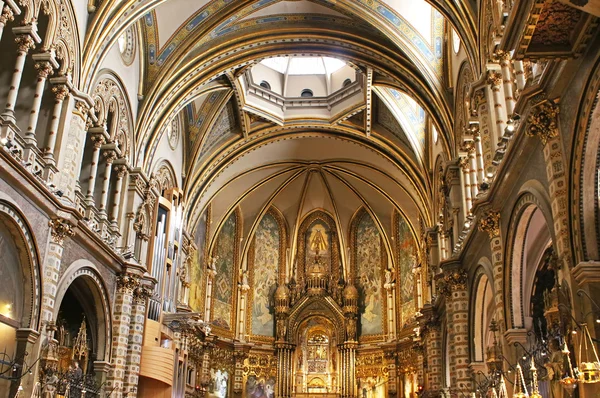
(266, 264)
(407, 259)
(224, 252)
(260, 387)
(219, 383)
(197, 267)
(368, 273)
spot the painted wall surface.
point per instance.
(407, 259)
(266, 268)
(197, 267)
(368, 274)
(222, 309)
(260, 387)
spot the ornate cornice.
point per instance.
(543, 122)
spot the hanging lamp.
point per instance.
(589, 365)
(520, 387)
(535, 391)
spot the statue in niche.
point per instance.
(300, 359)
(281, 330)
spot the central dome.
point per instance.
(301, 65)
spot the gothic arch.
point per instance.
(94, 299)
(20, 231)
(165, 176)
(465, 78)
(482, 309)
(312, 306)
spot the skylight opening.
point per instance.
(304, 65)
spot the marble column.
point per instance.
(114, 218)
(109, 156)
(507, 81)
(433, 347)
(495, 82)
(126, 285)
(61, 91)
(24, 43)
(284, 369)
(44, 69)
(98, 141)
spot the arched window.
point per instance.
(265, 84)
(306, 93)
(346, 83)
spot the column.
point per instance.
(348, 369)
(473, 170)
(44, 69)
(520, 75)
(126, 284)
(391, 311)
(243, 287)
(457, 307)
(433, 347)
(6, 16)
(61, 91)
(98, 141)
(59, 230)
(495, 81)
(24, 44)
(465, 174)
(210, 275)
(479, 156)
(284, 369)
(121, 170)
(490, 223)
(109, 157)
(507, 80)
(136, 335)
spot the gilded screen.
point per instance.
(224, 283)
(368, 274)
(266, 265)
(407, 259)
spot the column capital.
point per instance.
(543, 121)
(24, 43)
(456, 279)
(44, 69)
(61, 91)
(501, 56)
(494, 78)
(127, 282)
(141, 293)
(121, 170)
(587, 272)
(490, 222)
(110, 156)
(60, 229)
(98, 140)
(7, 15)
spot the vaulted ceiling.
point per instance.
(373, 152)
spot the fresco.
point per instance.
(219, 380)
(266, 265)
(260, 387)
(407, 259)
(197, 267)
(368, 275)
(318, 239)
(224, 283)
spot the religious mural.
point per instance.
(219, 381)
(407, 260)
(266, 265)
(197, 267)
(260, 387)
(224, 253)
(368, 253)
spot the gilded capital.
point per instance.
(44, 69)
(494, 78)
(7, 15)
(110, 156)
(543, 122)
(141, 294)
(127, 282)
(60, 91)
(456, 280)
(490, 223)
(60, 229)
